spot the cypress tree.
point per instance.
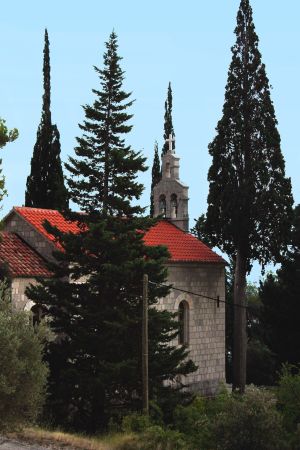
(250, 200)
(168, 123)
(200, 232)
(45, 185)
(156, 176)
(280, 295)
(95, 299)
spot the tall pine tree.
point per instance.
(250, 200)
(95, 299)
(45, 185)
(168, 123)
(156, 176)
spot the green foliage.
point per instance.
(22, 371)
(135, 423)
(193, 422)
(232, 421)
(199, 230)
(156, 176)
(280, 295)
(261, 365)
(104, 174)
(168, 123)
(158, 438)
(250, 200)
(249, 422)
(5, 137)
(45, 185)
(288, 394)
(94, 299)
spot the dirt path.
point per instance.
(11, 444)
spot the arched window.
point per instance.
(162, 205)
(174, 206)
(183, 317)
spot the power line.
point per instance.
(215, 299)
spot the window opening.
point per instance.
(183, 317)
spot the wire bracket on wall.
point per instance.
(217, 299)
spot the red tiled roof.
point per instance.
(37, 216)
(22, 260)
(182, 246)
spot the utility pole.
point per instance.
(145, 347)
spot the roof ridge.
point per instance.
(36, 209)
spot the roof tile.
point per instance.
(37, 217)
(22, 260)
(182, 246)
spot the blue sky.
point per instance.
(187, 43)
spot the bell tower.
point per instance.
(170, 194)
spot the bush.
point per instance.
(158, 438)
(249, 422)
(22, 371)
(135, 422)
(288, 394)
(193, 421)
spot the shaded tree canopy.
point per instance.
(45, 185)
(94, 300)
(156, 176)
(280, 296)
(249, 200)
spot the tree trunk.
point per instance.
(239, 330)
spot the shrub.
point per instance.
(249, 422)
(288, 394)
(193, 422)
(135, 422)
(158, 438)
(22, 371)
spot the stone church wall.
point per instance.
(19, 299)
(29, 234)
(206, 325)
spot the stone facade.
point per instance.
(170, 195)
(202, 320)
(206, 321)
(19, 299)
(14, 223)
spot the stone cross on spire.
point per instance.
(170, 141)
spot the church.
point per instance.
(196, 273)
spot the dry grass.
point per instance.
(68, 441)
